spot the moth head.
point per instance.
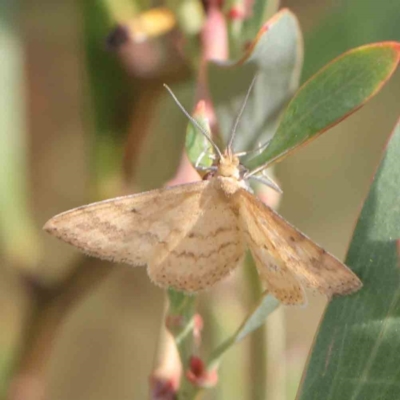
(228, 166)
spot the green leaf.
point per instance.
(356, 352)
(261, 10)
(276, 56)
(243, 27)
(266, 305)
(332, 94)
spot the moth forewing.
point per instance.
(310, 264)
(126, 229)
(187, 235)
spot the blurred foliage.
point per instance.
(164, 139)
(20, 249)
(349, 24)
(110, 90)
(19, 242)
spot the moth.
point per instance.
(191, 236)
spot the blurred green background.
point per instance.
(91, 332)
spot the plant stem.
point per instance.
(258, 348)
(187, 391)
(180, 322)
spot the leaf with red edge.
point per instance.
(336, 91)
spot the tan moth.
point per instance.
(193, 235)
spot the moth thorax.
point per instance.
(228, 167)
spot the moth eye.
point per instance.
(209, 175)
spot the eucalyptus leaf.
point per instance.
(356, 352)
(244, 21)
(276, 57)
(260, 12)
(336, 91)
(266, 305)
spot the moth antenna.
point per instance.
(259, 169)
(233, 132)
(260, 148)
(194, 122)
(267, 181)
